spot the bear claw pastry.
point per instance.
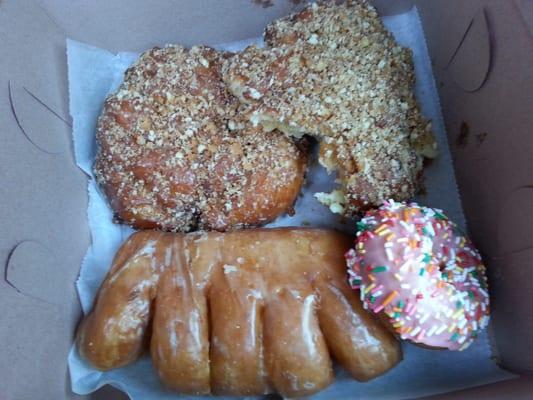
(239, 313)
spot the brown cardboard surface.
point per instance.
(136, 25)
(515, 389)
(42, 209)
(469, 65)
(483, 67)
(167, 20)
(487, 101)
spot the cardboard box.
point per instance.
(482, 58)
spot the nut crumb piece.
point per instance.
(336, 200)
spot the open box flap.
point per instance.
(190, 21)
(42, 210)
(483, 67)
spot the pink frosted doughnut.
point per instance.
(411, 264)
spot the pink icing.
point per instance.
(412, 264)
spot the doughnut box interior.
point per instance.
(482, 58)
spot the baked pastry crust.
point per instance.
(175, 153)
(335, 72)
(239, 313)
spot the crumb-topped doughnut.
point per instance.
(175, 154)
(334, 71)
(411, 264)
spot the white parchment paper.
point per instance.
(93, 73)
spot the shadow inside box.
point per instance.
(108, 392)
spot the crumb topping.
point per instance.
(177, 153)
(334, 71)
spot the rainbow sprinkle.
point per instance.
(422, 273)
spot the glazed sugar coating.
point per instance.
(175, 154)
(240, 313)
(334, 71)
(411, 264)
